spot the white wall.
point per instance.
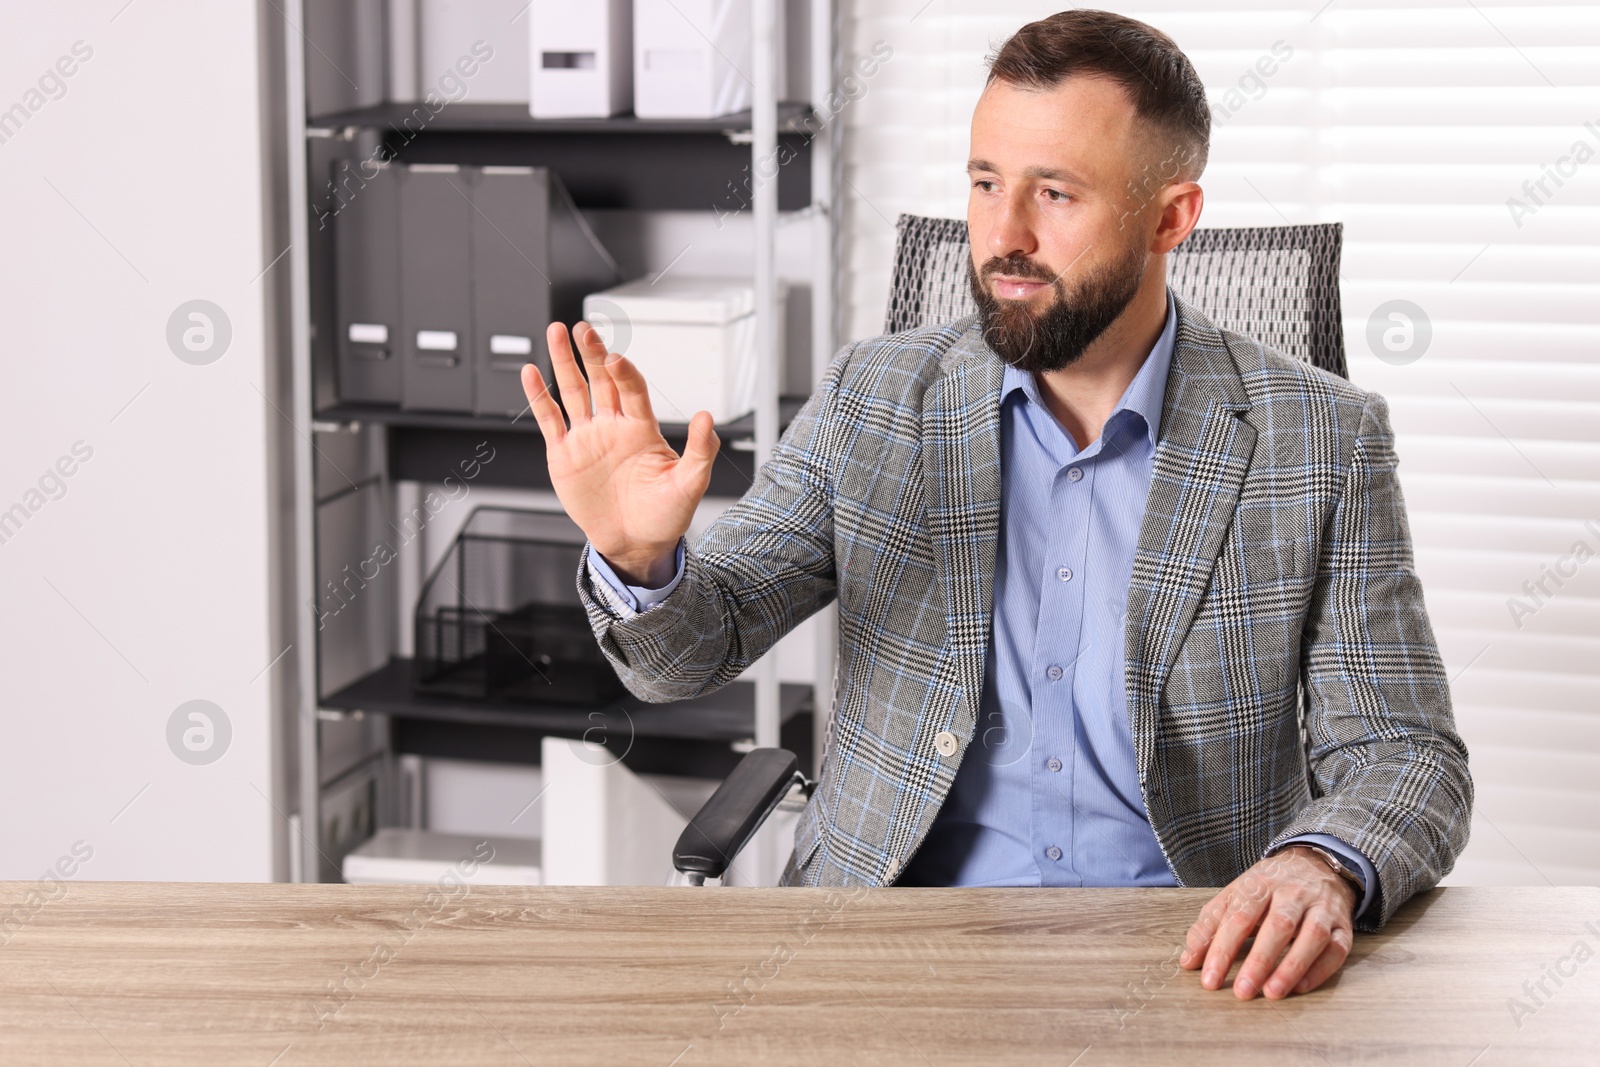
(146, 584)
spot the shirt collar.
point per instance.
(1144, 395)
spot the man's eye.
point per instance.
(1056, 195)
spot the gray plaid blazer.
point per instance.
(1282, 675)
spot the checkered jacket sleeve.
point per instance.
(761, 569)
(1389, 772)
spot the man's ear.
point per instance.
(1180, 203)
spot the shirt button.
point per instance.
(1054, 764)
(1053, 673)
(1074, 474)
(1064, 573)
(945, 742)
(1052, 853)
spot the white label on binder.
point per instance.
(369, 333)
(505, 344)
(436, 340)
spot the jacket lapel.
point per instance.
(1201, 460)
(961, 471)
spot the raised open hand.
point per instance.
(614, 473)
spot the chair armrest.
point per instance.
(735, 812)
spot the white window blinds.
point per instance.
(1457, 142)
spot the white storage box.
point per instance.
(466, 49)
(421, 857)
(691, 58)
(693, 339)
(580, 58)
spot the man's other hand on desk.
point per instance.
(1300, 912)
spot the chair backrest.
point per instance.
(1276, 284)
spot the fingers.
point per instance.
(693, 470)
(551, 422)
(1316, 934)
(1332, 958)
(1238, 921)
(632, 392)
(1204, 929)
(574, 391)
(593, 348)
(1274, 936)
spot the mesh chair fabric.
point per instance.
(1276, 284)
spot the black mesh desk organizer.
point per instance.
(499, 617)
(1276, 284)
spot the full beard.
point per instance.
(1056, 337)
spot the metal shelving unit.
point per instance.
(621, 162)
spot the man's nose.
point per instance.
(1011, 233)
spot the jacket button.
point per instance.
(945, 742)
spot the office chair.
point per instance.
(1276, 284)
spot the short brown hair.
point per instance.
(1150, 67)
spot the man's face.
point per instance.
(1060, 244)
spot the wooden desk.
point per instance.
(283, 975)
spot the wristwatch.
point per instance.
(1339, 867)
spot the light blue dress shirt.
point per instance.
(1048, 790)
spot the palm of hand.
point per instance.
(613, 472)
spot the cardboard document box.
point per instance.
(693, 339)
(691, 58)
(534, 259)
(489, 257)
(580, 58)
(367, 281)
(435, 287)
(466, 50)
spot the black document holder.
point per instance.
(499, 618)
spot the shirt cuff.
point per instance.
(1352, 858)
(634, 598)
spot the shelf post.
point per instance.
(825, 162)
(305, 565)
(769, 346)
(764, 165)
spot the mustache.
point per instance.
(1017, 267)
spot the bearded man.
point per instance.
(1125, 599)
